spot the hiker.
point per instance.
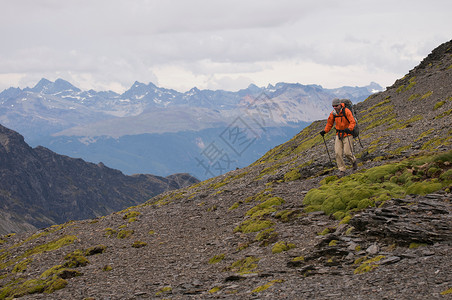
(344, 138)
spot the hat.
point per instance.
(336, 101)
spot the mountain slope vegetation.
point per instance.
(285, 227)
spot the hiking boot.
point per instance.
(355, 165)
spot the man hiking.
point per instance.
(345, 122)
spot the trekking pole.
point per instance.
(360, 142)
(350, 145)
(327, 150)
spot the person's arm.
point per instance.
(329, 123)
(350, 119)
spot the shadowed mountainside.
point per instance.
(285, 227)
(39, 188)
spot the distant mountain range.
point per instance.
(149, 129)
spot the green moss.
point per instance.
(265, 207)
(292, 175)
(269, 170)
(55, 284)
(243, 246)
(98, 249)
(107, 268)
(253, 225)
(424, 134)
(333, 243)
(51, 271)
(19, 288)
(381, 119)
(345, 220)
(439, 104)
(244, 266)
(266, 286)
(423, 188)
(76, 259)
(214, 290)
(309, 143)
(426, 95)
(376, 185)
(298, 258)
(218, 185)
(164, 290)
(433, 171)
(151, 232)
(21, 266)
(436, 142)
(444, 114)
(235, 205)
(216, 259)
(446, 176)
(109, 231)
(368, 265)
(305, 139)
(329, 179)
(350, 230)
(161, 200)
(417, 245)
(449, 290)
(139, 244)
(227, 180)
(265, 237)
(287, 215)
(124, 234)
(412, 83)
(325, 231)
(443, 158)
(406, 123)
(282, 246)
(53, 245)
(339, 215)
(130, 215)
(212, 208)
(387, 100)
(413, 97)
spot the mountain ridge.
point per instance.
(139, 98)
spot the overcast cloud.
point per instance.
(217, 44)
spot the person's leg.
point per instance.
(339, 150)
(348, 150)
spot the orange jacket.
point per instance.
(341, 121)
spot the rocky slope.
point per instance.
(285, 227)
(39, 188)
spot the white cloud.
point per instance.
(216, 44)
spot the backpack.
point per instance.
(348, 104)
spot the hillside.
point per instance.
(39, 188)
(285, 227)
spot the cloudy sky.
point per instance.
(217, 44)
